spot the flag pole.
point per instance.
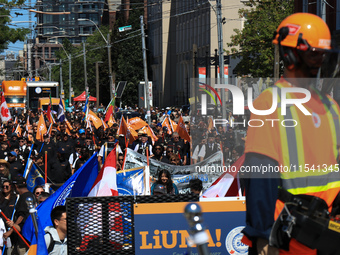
(45, 167)
(147, 155)
(124, 160)
(29, 156)
(16, 231)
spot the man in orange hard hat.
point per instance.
(297, 154)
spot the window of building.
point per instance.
(46, 52)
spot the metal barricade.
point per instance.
(105, 225)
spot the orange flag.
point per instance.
(111, 121)
(95, 119)
(166, 123)
(28, 124)
(182, 130)
(18, 130)
(41, 128)
(150, 133)
(173, 125)
(137, 123)
(125, 129)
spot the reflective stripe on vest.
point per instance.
(298, 180)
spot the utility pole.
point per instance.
(112, 81)
(61, 79)
(221, 56)
(97, 82)
(85, 72)
(29, 53)
(146, 85)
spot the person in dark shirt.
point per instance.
(14, 140)
(4, 150)
(20, 215)
(16, 167)
(178, 147)
(48, 146)
(59, 170)
(157, 152)
(82, 137)
(169, 153)
(73, 138)
(66, 145)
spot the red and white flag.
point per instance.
(4, 112)
(227, 185)
(105, 185)
(106, 182)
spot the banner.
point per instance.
(131, 182)
(207, 171)
(161, 228)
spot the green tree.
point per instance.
(255, 39)
(126, 55)
(128, 58)
(10, 34)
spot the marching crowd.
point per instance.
(67, 145)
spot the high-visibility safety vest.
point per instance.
(303, 178)
(305, 147)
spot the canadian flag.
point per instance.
(105, 185)
(4, 112)
(227, 185)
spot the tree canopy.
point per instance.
(10, 34)
(255, 39)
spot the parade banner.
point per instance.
(208, 170)
(166, 231)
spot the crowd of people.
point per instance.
(69, 144)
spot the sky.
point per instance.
(20, 21)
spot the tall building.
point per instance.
(57, 20)
(177, 32)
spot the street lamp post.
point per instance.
(69, 74)
(112, 87)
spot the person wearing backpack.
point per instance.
(55, 236)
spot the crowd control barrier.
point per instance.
(106, 225)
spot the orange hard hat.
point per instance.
(303, 31)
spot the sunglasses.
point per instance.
(158, 149)
(5, 187)
(37, 193)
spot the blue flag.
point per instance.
(131, 182)
(38, 245)
(61, 111)
(78, 185)
(34, 177)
